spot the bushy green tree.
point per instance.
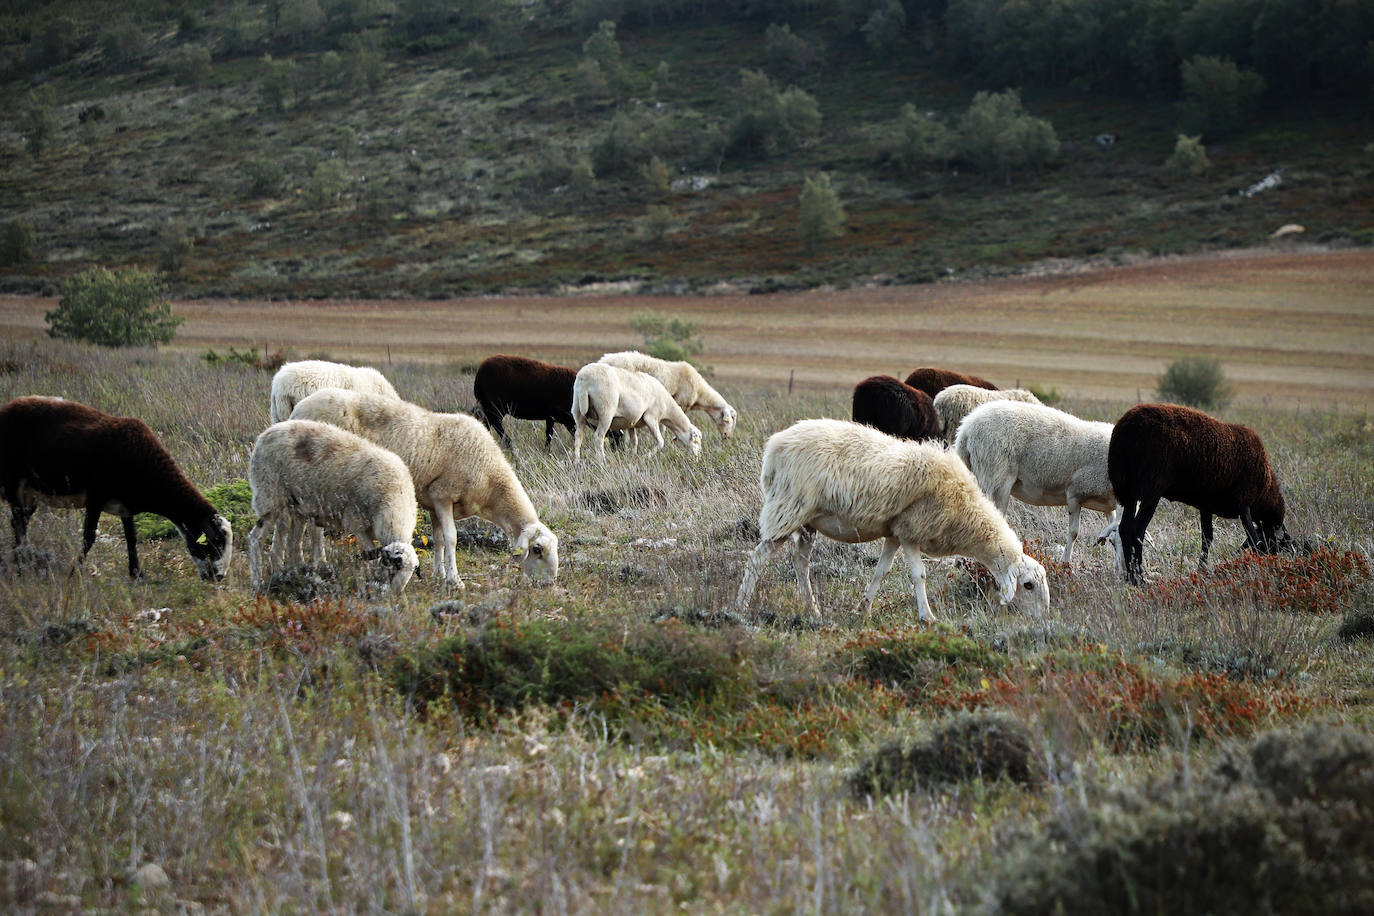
(114, 309)
(190, 65)
(618, 148)
(122, 44)
(1196, 381)
(918, 141)
(278, 83)
(39, 122)
(822, 215)
(767, 121)
(1218, 96)
(16, 243)
(601, 46)
(1189, 158)
(885, 26)
(668, 338)
(788, 52)
(327, 183)
(996, 134)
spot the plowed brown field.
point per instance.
(1290, 328)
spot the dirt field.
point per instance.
(1290, 327)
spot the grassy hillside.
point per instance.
(380, 160)
(619, 742)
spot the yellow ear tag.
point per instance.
(518, 552)
(201, 540)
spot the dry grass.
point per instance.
(262, 755)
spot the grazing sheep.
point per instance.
(526, 389)
(855, 484)
(308, 473)
(1173, 452)
(295, 381)
(890, 406)
(618, 398)
(65, 454)
(957, 401)
(1042, 456)
(932, 381)
(684, 383)
(457, 467)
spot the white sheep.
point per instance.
(457, 467)
(1042, 456)
(684, 383)
(615, 398)
(958, 401)
(855, 484)
(295, 381)
(307, 473)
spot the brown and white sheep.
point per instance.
(1167, 451)
(66, 454)
(932, 380)
(893, 407)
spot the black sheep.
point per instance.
(932, 381)
(526, 389)
(890, 406)
(69, 455)
(1173, 452)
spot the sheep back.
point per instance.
(954, 403)
(333, 478)
(895, 408)
(1046, 453)
(933, 380)
(294, 381)
(527, 389)
(1182, 454)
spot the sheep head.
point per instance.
(690, 439)
(537, 550)
(400, 560)
(211, 545)
(1024, 586)
(725, 418)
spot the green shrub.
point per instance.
(787, 51)
(1282, 829)
(16, 243)
(1189, 157)
(175, 245)
(123, 309)
(917, 141)
(969, 746)
(265, 174)
(667, 338)
(766, 121)
(997, 134)
(1196, 381)
(327, 184)
(38, 121)
(122, 44)
(883, 30)
(1050, 396)
(657, 222)
(190, 65)
(277, 83)
(503, 667)
(822, 215)
(618, 148)
(1218, 96)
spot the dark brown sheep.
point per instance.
(526, 389)
(932, 381)
(890, 406)
(1173, 452)
(69, 455)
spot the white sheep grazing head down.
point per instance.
(400, 559)
(1025, 587)
(724, 418)
(537, 550)
(690, 439)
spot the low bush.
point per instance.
(1283, 828)
(1196, 381)
(969, 746)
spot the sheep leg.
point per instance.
(548, 434)
(1075, 509)
(255, 554)
(758, 559)
(88, 526)
(658, 434)
(1206, 540)
(19, 522)
(601, 431)
(1133, 540)
(131, 542)
(918, 582)
(890, 546)
(445, 542)
(803, 546)
(579, 427)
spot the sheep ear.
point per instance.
(1009, 583)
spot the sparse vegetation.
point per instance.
(1196, 381)
(627, 724)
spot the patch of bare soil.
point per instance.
(1291, 327)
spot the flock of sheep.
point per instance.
(928, 466)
